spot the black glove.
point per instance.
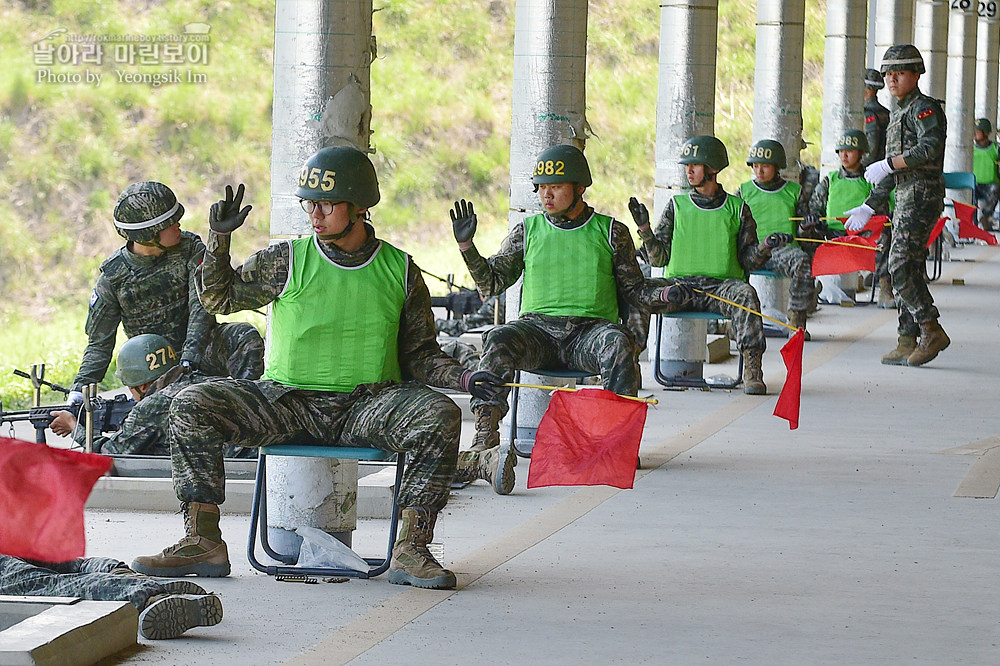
(777, 240)
(810, 221)
(482, 384)
(639, 212)
(225, 216)
(677, 293)
(463, 221)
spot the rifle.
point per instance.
(460, 302)
(108, 414)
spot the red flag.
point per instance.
(834, 258)
(787, 406)
(967, 228)
(936, 231)
(873, 230)
(587, 438)
(42, 492)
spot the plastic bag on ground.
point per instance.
(319, 549)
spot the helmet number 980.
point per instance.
(550, 168)
(761, 152)
(158, 358)
(316, 178)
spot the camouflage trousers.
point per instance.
(791, 261)
(234, 350)
(748, 328)
(542, 341)
(919, 202)
(987, 197)
(405, 418)
(88, 578)
(882, 253)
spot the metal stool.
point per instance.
(525, 451)
(689, 382)
(258, 510)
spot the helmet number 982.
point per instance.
(158, 358)
(316, 178)
(550, 168)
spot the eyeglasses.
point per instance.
(325, 207)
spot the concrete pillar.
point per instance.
(987, 65)
(930, 35)
(960, 94)
(893, 25)
(777, 100)
(548, 107)
(843, 75)
(322, 54)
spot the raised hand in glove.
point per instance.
(463, 221)
(677, 293)
(225, 216)
(877, 171)
(639, 212)
(858, 217)
(482, 384)
(776, 240)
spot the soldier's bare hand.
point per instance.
(63, 423)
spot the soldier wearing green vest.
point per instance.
(352, 345)
(707, 240)
(986, 167)
(579, 269)
(773, 202)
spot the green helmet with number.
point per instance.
(873, 79)
(144, 358)
(145, 209)
(852, 139)
(562, 164)
(767, 151)
(339, 173)
(902, 57)
(707, 150)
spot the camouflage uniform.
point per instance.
(876, 123)
(144, 430)
(155, 294)
(917, 130)
(401, 417)
(988, 188)
(752, 256)
(537, 340)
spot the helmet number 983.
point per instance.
(550, 168)
(317, 178)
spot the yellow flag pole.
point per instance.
(743, 307)
(651, 401)
(830, 242)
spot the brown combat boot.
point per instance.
(886, 299)
(933, 340)
(904, 347)
(487, 428)
(797, 318)
(170, 615)
(753, 375)
(201, 552)
(412, 563)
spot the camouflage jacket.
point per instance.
(656, 243)
(146, 295)
(876, 122)
(263, 276)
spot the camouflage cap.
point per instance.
(984, 125)
(873, 79)
(144, 209)
(902, 57)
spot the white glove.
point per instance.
(877, 171)
(74, 398)
(858, 216)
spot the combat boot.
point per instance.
(886, 299)
(171, 586)
(201, 552)
(487, 428)
(797, 318)
(753, 375)
(496, 467)
(412, 563)
(933, 340)
(170, 615)
(905, 346)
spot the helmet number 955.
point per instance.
(158, 358)
(550, 168)
(316, 178)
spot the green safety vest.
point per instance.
(844, 194)
(772, 210)
(333, 327)
(569, 272)
(984, 163)
(705, 241)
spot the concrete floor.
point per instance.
(842, 542)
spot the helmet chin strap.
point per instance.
(346, 230)
(577, 198)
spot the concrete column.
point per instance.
(322, 54)
(987, 65)
(777, 98)
(548, 108)
(960, 93)
(893, 25)
(930, 35)
(843, 75)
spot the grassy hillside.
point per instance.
(441, 98)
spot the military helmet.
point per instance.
(984, 125)
(707, 150)
(144, 358)
(767, 151)
(339, 173)
(902, 57)
(562, 164)
(144, 210)
(852, 139)
(873, 79)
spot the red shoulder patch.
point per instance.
(869, 119)
(925, 113)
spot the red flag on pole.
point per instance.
(936, 231)
(42, 492)
(967, 228)
(587, 438)
(787, 406)
(835, 257)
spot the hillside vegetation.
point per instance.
(441, 121)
